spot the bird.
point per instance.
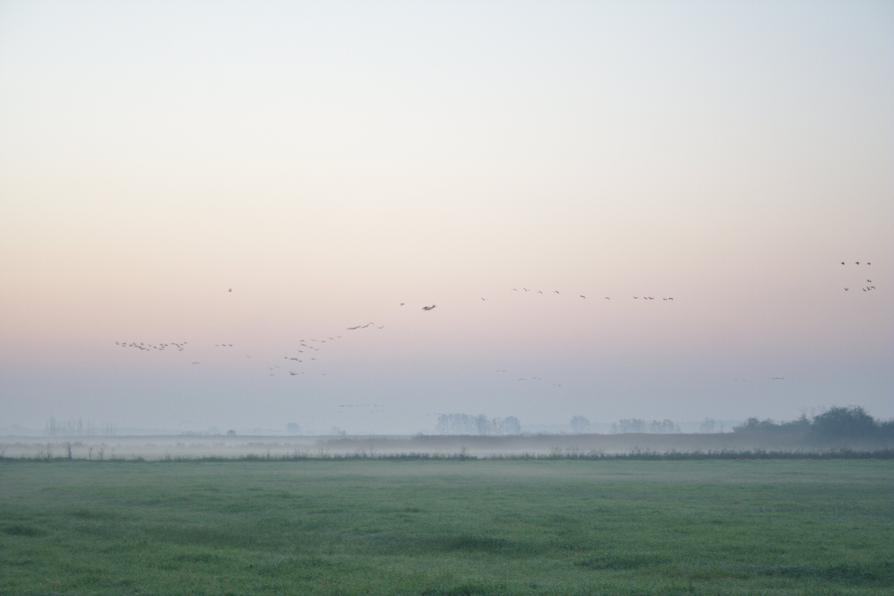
(846, 289)
(555, 291)
(582, 296)
(777, 378)
(857, 262)
(483, 299)
(608, 298)
(429, 307)
(230, 291)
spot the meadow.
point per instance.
(810, 526)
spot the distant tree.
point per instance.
(231, 433)
(465, 424)
(834, 423)
(844, 423)
(754, 425)
(630, 425)
(511, 426)
(799, 424)
(663, 426)
(482, 425)
(579, 425)
(442, 427)
(293, 428)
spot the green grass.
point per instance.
(448, 527)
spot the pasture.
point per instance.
(447, 527)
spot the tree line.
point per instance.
(466, 424)
(835, 423)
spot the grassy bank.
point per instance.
(448, 527)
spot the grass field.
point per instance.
(447, 527)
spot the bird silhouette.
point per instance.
(429, 307)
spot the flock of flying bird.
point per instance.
(584, 296)
(869, 287)
(307, 349)
(144, 347)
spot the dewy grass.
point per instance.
(443, 526)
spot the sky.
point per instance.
(328, 161)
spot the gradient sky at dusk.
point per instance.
(330, 160)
